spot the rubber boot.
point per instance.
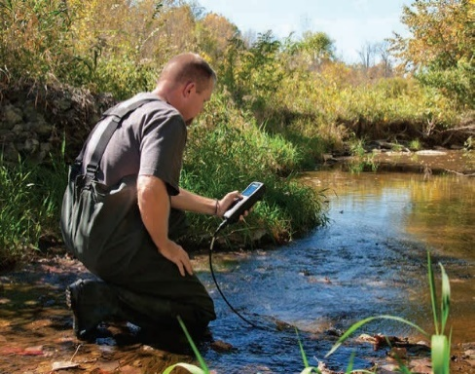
(92, 302)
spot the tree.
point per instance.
(215, 33)
(318, 46)
(375, 60)
(367, 55)
(441, 48)
(309, 52)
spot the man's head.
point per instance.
(186, 82)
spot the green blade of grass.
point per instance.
(433, 296)
(445, 302)
(193, 346)
(302, 352)
(361, 323)
(349, 368)
(309, 370)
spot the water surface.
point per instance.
(370, 260)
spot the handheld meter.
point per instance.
(250, 196)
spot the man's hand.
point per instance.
(176, 254)
(225, 203)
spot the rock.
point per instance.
(398, 353)
(10, 153)
(421, 366)
(19, 128)
(429, 152)
(220, 346)
(43, 128)
(470, 353)
(31, 145)
(12, 116)
(389, 369)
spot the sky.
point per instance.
(350, 23)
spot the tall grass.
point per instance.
(222, 157)
(30, 197)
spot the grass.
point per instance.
(221, 157)
(30, 197)
(218, 160)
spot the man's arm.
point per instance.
(154, 206)
(189, 201)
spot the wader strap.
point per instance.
(108, 124)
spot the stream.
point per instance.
(370, 260)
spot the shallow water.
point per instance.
(370, 260)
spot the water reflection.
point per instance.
(370, 260)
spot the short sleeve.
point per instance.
(163, 140)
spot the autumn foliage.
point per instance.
(295, 86)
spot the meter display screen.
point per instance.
(250, 189)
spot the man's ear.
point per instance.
(188, 88)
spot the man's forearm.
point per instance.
(154, 206)
(189, 201)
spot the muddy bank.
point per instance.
(36, 328)
(427, 162)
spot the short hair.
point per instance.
(188, 67)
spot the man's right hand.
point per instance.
(176, 254)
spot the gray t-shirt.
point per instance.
(150, 141)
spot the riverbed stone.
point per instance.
(430, 152)
(43, 128)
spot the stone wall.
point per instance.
(36, 120)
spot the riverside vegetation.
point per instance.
(280, 104)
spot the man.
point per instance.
(124, 231)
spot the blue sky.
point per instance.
(349, 23)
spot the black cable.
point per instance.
(223, 224)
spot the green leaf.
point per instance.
(433, 296)
(302, 352)
(361, 323)
(309, 370)
(193, 346)
(349, 368)
(445, 302)
(193, 369)
(440, 354)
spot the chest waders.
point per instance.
(96, 218)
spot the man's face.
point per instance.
(195, 101)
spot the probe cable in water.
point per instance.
(250, 196)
